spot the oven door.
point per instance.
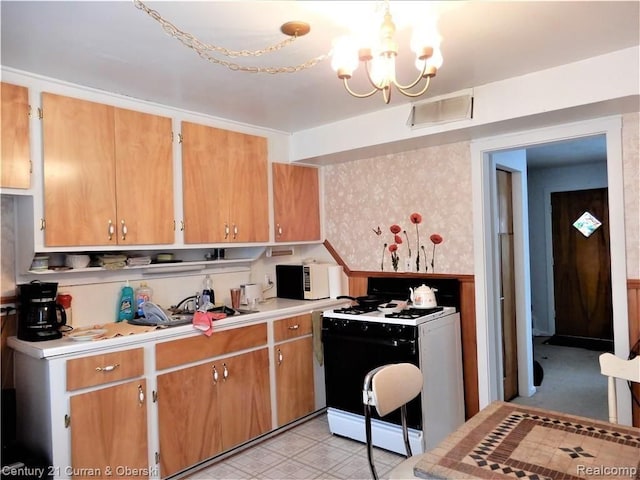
(349, 357)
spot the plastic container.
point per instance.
(126, 309)
(143, 294)
(40, 263)
(207, 292)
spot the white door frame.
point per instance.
(487, 314)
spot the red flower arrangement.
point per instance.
(436, 239)
(416, 219)
(393, 248)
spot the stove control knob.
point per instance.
(364, 327)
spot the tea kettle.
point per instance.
(423, 297)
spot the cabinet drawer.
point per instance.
(292, 327)
(192, 349)
(109, 367)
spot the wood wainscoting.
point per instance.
(633, 297)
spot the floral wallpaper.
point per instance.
(631, 168)
(375, 193)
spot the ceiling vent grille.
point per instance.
(441, 111)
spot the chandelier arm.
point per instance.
(358, 95)
(416, 94)
(416, 81)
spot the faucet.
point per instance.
(186, 305)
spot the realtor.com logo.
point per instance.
(606, 471)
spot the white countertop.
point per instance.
(269, 309)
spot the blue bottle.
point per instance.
(126, 309)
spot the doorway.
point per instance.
(485, 158)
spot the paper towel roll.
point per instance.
(335, 281)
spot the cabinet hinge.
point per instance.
(30, 166)
(29, 111)
(157, 458)
(154, 396)
(180, 138)
(40, 113)
(67, 421)
(43, 224)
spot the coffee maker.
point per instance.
(39, 315)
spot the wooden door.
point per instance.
(295, 394)
(144, 178)
(581, 266)
(205, 183)
(16, 155)
(296, 203)
(249, 201)
(109, 429)
(188, 417)
(244, 397)
(79, 172)
(507, 285)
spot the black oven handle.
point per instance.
(402, 342)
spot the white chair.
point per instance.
(615, 367)
(388, 388)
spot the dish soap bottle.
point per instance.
(207, 292)
(143, 294)
(125, 306)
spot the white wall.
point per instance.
(543, 182)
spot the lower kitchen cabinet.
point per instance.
(109, 432)
(212, 407)
(295, 392)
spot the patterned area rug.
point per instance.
(510, 441)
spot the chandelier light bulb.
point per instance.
(345, 57)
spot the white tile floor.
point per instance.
(307, 451)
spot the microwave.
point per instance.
(303, 281)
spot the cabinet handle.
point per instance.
(280, 357)
(108, 368)
(235, 231)
(124, 230)
(215, 374)
(294, 327)
(226, 231)
(111, 229)
(225, 372)
(140, 396)
(279, 230)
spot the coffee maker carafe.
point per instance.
(38, 312)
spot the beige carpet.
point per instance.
(572, 381)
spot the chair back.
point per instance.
(615, 367)
(388, 388)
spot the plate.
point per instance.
(394, 306)
(86, 335)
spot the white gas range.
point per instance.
(357, 341)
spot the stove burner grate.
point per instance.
(354, 310)
(412, 313)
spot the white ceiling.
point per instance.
(117, 47)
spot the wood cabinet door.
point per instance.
(144, 178)
(16, 154)
(205, 184)
(108, 430)
(79, 172)
(188, 417)
(296, 203)
(249, 197)
(244, 397)
(295, 392)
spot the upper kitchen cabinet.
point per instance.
(225, 186)
(16, 157)
(296, 203)
(108, 177)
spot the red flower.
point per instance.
(397, 239)
(415, 218)
(395, 229)
(436, 239)
(393, 247)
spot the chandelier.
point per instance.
(379, 58)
